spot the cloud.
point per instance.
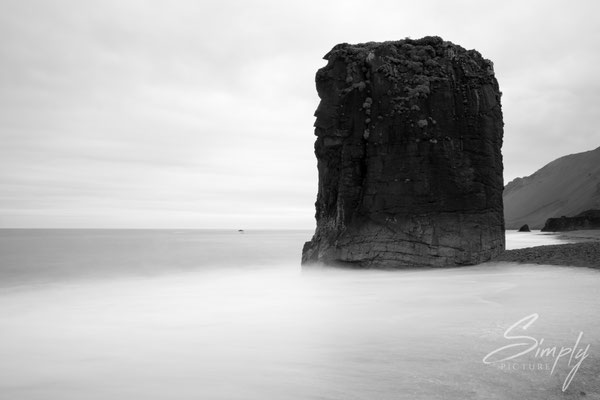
(199, 114)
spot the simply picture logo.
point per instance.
(545, 358)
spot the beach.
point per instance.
(583, 250)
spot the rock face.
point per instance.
(409, 136)
(586, 220)
(524, 228)
(567, 186)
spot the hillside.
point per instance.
(567, 186)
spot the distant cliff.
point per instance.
(409, 136)
(566, 186)
(586, 220)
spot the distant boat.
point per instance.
(240, 230)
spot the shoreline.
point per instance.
(582, 251)
(580, 236)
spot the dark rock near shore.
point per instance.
(586, 220)
(524, 228)
(409, 136)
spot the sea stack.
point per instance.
(524, 228)
(409, 136)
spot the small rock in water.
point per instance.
(524, 228)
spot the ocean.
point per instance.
(219, 314)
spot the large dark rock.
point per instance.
(586, 220)
(409, 137)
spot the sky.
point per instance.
(199, 114)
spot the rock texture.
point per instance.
(409, 136)
(586, 220)
(567, 186)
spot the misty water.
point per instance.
(227, 315)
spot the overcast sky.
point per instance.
(199, 114)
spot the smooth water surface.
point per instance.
(228, 315)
